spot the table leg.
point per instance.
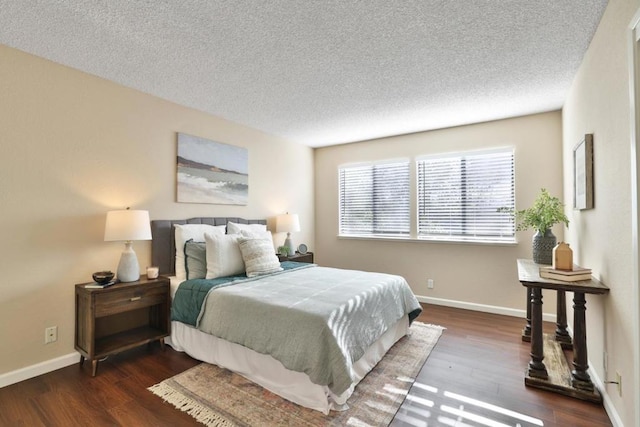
(536, 367)
(94, 367)
(580, 378)
(562, 336)
(526, 331)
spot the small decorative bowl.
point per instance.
(103, 277)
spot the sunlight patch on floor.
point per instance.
(420, 401)
(413, 421)
(355, 422)
(445, 421)
(451, 410)
(395, 390)
(462, 414)
(420, 412)
(494, 408)
(425, 387)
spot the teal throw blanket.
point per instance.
(191, 294)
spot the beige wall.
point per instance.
(75, 146)
(598, 103)
(470, 273)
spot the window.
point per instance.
(459, 195)
(375, 199)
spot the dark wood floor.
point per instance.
(473, 377)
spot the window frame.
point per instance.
(466, 236)
(372, 232)
(414, 214)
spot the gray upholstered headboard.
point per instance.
(163, 246)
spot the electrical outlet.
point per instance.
(430, 283)
(51, 334)
(619, 383)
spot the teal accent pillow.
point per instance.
(195, 256)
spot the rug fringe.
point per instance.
(199, 412)
(431, 325)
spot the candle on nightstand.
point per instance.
(152, 272)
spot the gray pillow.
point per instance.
(195, 256)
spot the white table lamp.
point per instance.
(127, 226)
(288, 223)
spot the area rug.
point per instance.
(217, 397)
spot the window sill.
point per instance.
(425, 240)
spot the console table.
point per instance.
(556, 374)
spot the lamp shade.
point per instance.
(287, 223)
(127, 225)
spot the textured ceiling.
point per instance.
(322, 72)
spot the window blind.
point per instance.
(459, 196)
(375, 199)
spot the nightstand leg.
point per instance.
(81, 360)
(94, 367)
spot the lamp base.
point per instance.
(289, 245)
(128, 267)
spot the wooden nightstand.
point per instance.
(120, 317)
(298, 257)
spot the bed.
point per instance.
(304, 332)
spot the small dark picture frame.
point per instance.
(583, 173)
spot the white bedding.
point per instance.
(174, 283)
(270, 373)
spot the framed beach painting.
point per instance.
(583, 174)
(211, 172)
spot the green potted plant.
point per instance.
(545, 212)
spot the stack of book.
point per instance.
(577, 274)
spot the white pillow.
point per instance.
(234, 228)
(259, 256)
(186, 232)
(223, 255)
(257, 235)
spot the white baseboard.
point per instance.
(547, 317)
(38, 369)
(611, 411)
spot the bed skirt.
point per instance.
(269, 373)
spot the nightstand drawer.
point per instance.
(109, 303)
